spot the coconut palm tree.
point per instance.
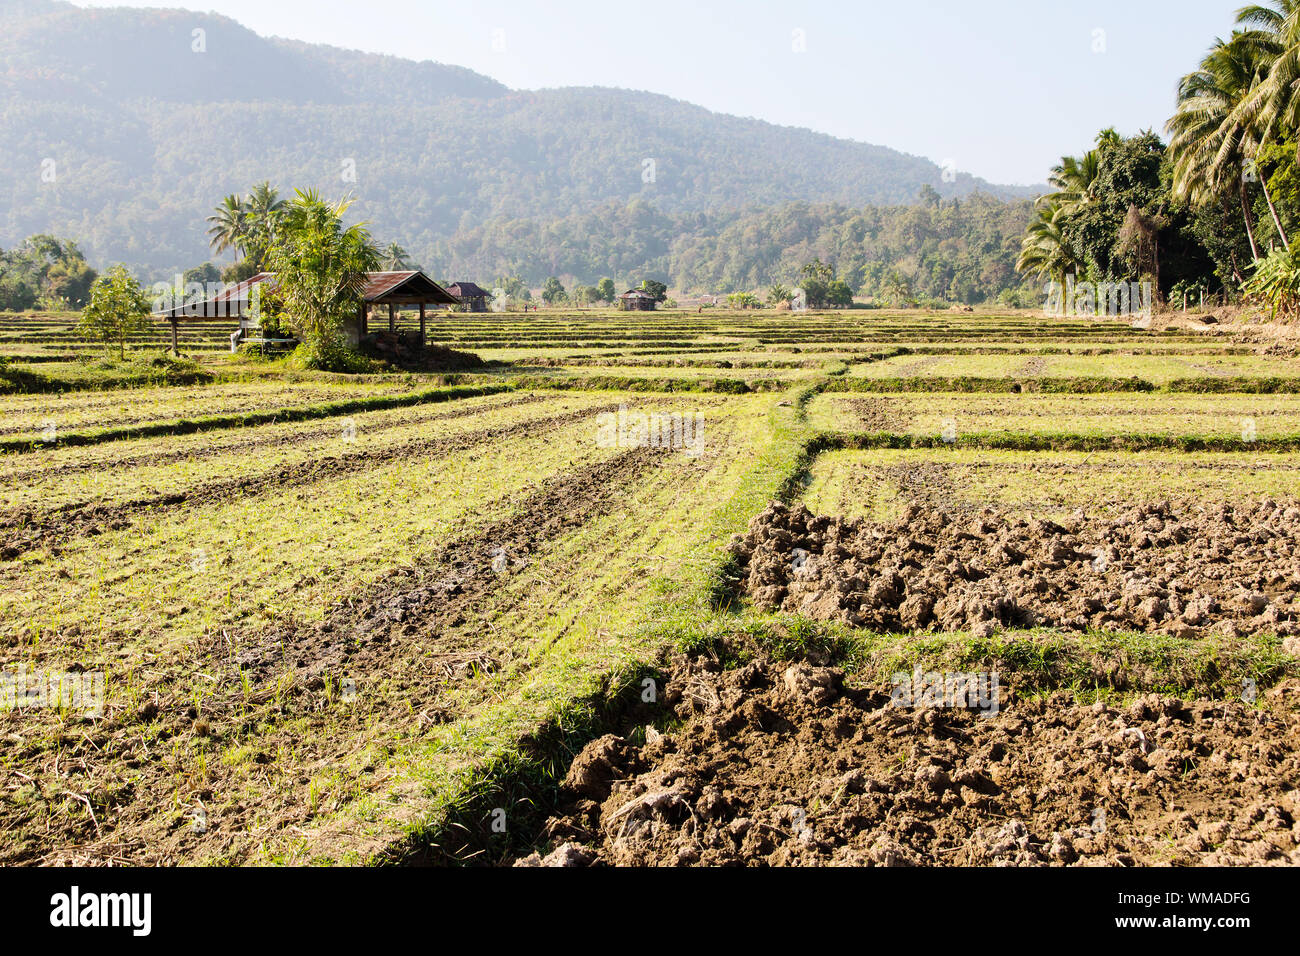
(1212, 143)
(262, 209)
(1272, 106)
(1274, 35)
(1074, 179)
(395, 257)
(229, 226)
(264, 202)
(1046, 249)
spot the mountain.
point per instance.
(122, 128)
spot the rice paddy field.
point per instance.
(483, 618)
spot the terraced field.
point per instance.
(548, 613)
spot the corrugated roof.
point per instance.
(382, 283)
(467, 290)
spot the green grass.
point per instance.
(1090, 665)
(189, 426)
(137, 371)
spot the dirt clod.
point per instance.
(1177, 568)
(779, 764)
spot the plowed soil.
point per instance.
(1180, 568)
(782, 764)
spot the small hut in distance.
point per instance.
(473, 298)
(636, 300)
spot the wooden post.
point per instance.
(363, 319)
(175, 346)
(392, 317)
(421, 325)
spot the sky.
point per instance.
(998, 88)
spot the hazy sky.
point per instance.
(1000, 87)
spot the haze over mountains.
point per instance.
(122, 128)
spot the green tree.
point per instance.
(818, 270)
(656, 288)
(778, 293)
(118, 308)
(553, 291)
(395, 258)
(1214, 144)
(1272, 105)
(838, 294)
(228, 226)
(515, 288)
(69, 279)
(1046, 250)
(817, 278)
(607, 290)
(1074, 179)
(321, 268)
(262, 212)
(45, 271)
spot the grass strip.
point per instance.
(1013, 441)
(973, 383)
(1092, 665)
(189, 426)
(618, 383)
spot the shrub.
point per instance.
(328, 354)
(1276, 283)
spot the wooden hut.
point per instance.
(473, 298)
(391, 290)
(636, 300)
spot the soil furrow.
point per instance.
(315, 691)
(28, 529)
(413, 415)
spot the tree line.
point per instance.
(1213, 209)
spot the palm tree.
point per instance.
(395, 257)
(264, 202)
(1074, 179)
(321, 266)
(263, 209)
(1046, 249)
(1272, 106)
(229, 226)
(1211, 143)
(1274, 37)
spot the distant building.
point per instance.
(636, 300)
(473, 298)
